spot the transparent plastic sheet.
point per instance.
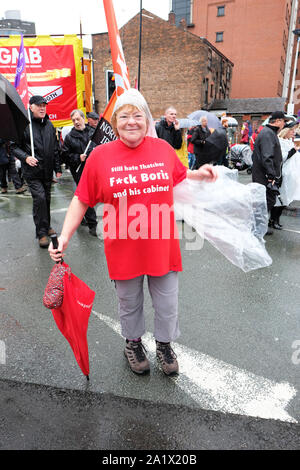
(290, 187)
(286, 145)
(232, 216)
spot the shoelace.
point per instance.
(139, 350)
(168, 353)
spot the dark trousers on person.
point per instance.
(271, 199)
(3, 171)
(41, 197)
(90, 215)
(276, 213)
(7, 172)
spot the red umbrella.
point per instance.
(72, 316)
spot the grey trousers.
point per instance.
(164, 294)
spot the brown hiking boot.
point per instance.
(167, 358)
(44, 242)
(135, 353)
(51, 231)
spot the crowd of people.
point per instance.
(193, 147)
(102, 175)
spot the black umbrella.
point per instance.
(13, 115)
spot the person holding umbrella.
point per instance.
(39, 156)
(199, 136)
(134, 176)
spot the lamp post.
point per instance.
(140, 46)
(291, 104)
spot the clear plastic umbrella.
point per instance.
(187, 123)
(212, 120)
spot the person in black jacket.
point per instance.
(38, 168)
(168, 128)
(267, 159)
(199, 136)
(74, 154)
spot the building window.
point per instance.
(219, 36)
(221, 11)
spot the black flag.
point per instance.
(103, 133)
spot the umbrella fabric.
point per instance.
(187, 123)
(232, 121)
(212, 119)
(13, 115)
(73, 316)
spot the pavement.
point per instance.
(239, 349)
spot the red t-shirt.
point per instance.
(136, 187)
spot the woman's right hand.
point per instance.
(58, 253)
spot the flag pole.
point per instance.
(30, 131)
(140, 46)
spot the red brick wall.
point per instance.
(253, 40)
(174, 64)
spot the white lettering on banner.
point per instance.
(107, 129)
(32, 55)
(122, 64)
(54, 94)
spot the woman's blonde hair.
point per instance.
(129, 107)
(133, 99)
(284, 132)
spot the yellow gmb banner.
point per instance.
(54, 70)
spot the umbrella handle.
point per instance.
(55, 244)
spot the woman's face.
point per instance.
(290, 134)
(131, 126)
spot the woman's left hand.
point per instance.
(204, 173)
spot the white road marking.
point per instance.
(2, 353)
(289, 230)
(219, 386)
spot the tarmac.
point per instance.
(238, 350)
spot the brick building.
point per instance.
(177, 67)
(257, 35)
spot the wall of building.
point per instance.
(174, 66)
(255, 34)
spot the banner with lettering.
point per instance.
(119, 65)
(54, 70)
(104, 132)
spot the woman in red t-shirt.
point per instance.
(134, 177)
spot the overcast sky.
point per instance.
(63, 16)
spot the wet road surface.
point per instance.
(238, 350)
